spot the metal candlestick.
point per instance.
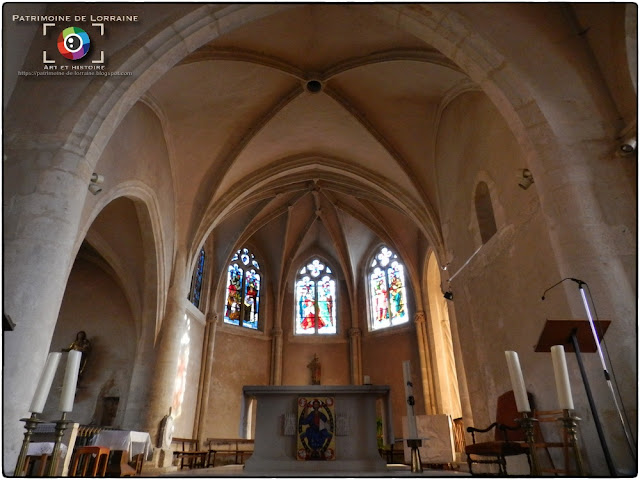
(528, 424)
(416, 462)
(61, 426)
(570, 424)
(30, 425)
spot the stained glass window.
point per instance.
(315, 299)
(196, 281)
(243, 290)
(387, 291)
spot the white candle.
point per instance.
(562, 377)
(70, 381)
(44, 384)
(408, 392)
(517, 382)
(367, 380)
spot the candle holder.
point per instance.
(61, 426)
(30, 425)
(527, 423)
(416, 462)
(570, 425)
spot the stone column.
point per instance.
(355, 348)
(426, 366)
(276, 356)
(42, 208)
(205, 387)
(168, 348)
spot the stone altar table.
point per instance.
(356, 448)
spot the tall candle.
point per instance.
(44, 384)
(562, 377)
(70, 380)
(408, 393)
(517, 382)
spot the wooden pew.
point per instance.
(188, 452)
(239, 449)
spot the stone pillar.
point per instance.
(42, 209)
(276, 356)
(355, 348)
(426, 366)
(205, 387)
(168, 348)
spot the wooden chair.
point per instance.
(136, 463)
(559, 437)
(34, 465)
(89, 462)
(508, 438)
(119, 465)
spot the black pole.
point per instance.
(594, 412)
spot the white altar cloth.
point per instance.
(355, 443)
(133, 442)
(44, 448)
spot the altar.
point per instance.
(316, 428)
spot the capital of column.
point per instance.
(276, 332)
(213, 317)
(419, 317)
(354, 332)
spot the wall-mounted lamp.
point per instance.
(448, 295)
(525, 179)
(96, 180)
(628, 145)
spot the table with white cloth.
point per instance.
(133, 442)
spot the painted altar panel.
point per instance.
(316, 428)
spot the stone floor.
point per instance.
(393, 470)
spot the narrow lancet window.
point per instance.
(243, 290)
(196, 280)
(315, 299)
(387, 290)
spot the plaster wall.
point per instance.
(382, 356)
(239, 359)
(497, 295)
(496, 308)
(94, 302)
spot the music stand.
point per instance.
(576, 336)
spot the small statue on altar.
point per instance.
(83, 345)
(315, 368)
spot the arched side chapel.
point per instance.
(216, 139)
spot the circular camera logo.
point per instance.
(73, 43)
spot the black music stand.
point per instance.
(576, 336)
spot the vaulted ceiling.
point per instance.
(314, 126)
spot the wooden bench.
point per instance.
(189, 454)
(239, 449)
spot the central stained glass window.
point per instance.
(315, 299)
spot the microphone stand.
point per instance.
(607, 377)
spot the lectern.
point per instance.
(576, 336)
